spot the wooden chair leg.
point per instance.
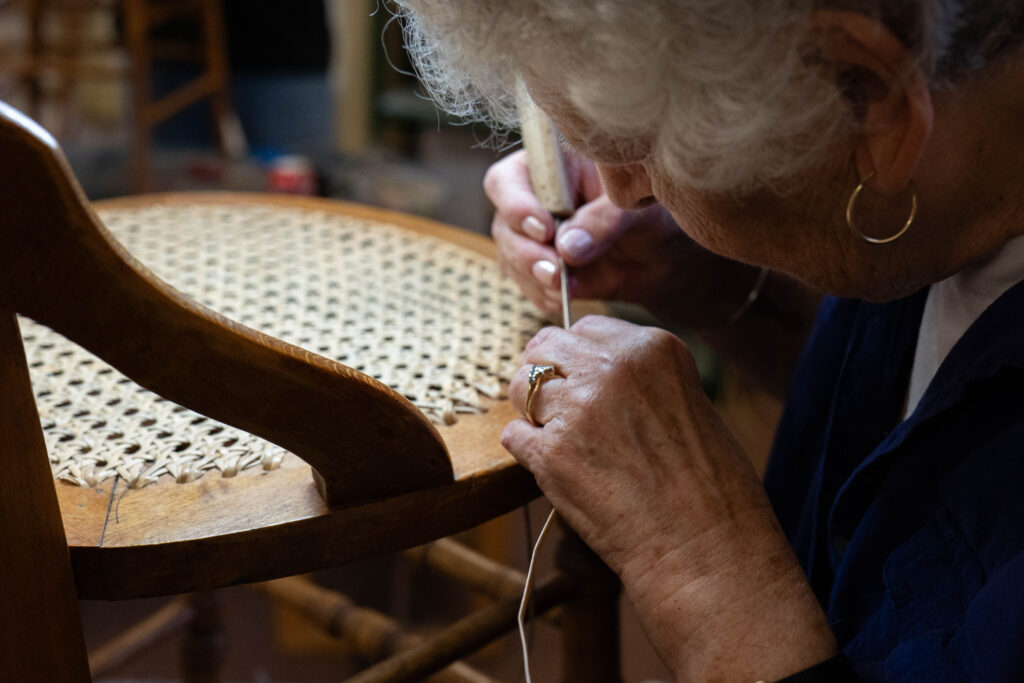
(37, 587)
(31, 80)
(73, 23)
(136, 31)
(203, 648)
(230, 139)
(590, 619)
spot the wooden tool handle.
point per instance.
(544, 157)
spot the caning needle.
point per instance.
(551, 187)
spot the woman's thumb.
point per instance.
(591, 231)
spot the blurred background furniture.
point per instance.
(59, 50)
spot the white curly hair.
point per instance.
(731, 92)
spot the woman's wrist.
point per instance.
(734, 606)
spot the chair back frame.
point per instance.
(60, 266)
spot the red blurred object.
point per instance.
(291, 175)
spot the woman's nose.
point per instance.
(628, 186)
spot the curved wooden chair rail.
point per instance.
(59, 266)
(389, 479)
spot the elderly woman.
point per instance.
(735, 159)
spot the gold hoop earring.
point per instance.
(879, 240)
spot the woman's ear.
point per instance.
(896, 105)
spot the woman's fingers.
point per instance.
(523, 441)
(562, 348)
(576, 354)
(541, 405)
(590, 232)
(632, 342)
(568, 353)
(602, 329)
(590, 241)
(597, 351)
(507, 185)
(522, 231)
(531, 264)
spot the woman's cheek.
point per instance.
(687, 211)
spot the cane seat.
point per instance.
(191, 451)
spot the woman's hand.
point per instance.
(636, 256)
(635, 458)
(644, 257)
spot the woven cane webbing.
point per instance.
(435, 321)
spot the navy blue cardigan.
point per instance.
(912, 532)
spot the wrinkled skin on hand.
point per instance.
(629, 438)
(634, 457)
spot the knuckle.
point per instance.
(659, 338)
(664, 343)
(519, 377)
(544, 336)
(588, 323)
(499, 228)
(497, 173)
(512, 441)
(492, 179)
(507, 439)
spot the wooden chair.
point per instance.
(384, 477)
(73, 57)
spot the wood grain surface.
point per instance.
(37, 591)
(61, 267)
(390, 479)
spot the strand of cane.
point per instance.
(528, 591)
(548, 523)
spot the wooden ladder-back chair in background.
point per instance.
(73, 56)
(386, 477)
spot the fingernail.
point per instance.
(535, 229)
(576, 244)
(544, 272)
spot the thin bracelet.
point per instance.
(752, 297)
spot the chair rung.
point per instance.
(160, 13)
(175, 51)
(469, 567)
(165, 621)
(371, 634)
(465, 636)
(66, 66)
(164, 108)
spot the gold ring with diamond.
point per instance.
(538, 375)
